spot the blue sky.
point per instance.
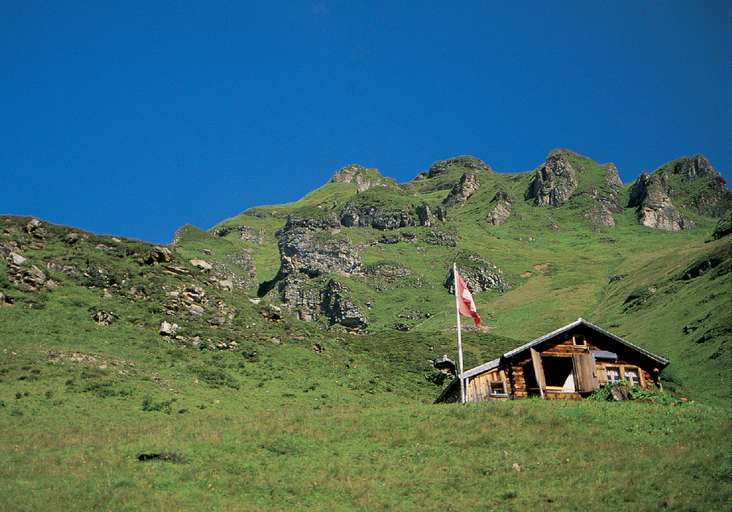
(134, 118)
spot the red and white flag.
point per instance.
(466, 304)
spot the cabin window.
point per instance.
(497, 388)
(632, 376)
(557, 371)
(613, 374)
(579, 340)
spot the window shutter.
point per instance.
(584, 372)
(538, 371)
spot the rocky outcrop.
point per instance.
(462, 190)
(462, 162)
(368, 216)
(362, 177)
(310, 250)
(314, 299)
(479, 274)
(425, 216)
(314, 247)
(339, 309)
(712, 198)
(554, 182)
(500, 210)
(654, 208)
(434, 237)
(158, 255)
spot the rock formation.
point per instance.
(310, 250)
(462, 190)
(501, 209)
(654, 208)
(357, 215)
(605, 199)
(314, 247)
(362, 177)
(554, 182)
(712, 198)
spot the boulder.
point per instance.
(35, 228)
(72, 238)
(203, 265)
(16, 259)
(462, 190)
(103, 317)
(158, 254)
(168, 329)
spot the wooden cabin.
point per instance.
(566, 364)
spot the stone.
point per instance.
(35, 228)
(16, 259)
(168, 329)
(159, 255)
(196, 310)
(434, 237)
(441, 214)
(654, 209)
(462, 190)
(203, 265)
(554, 182)
(103, 317)
(226, 284)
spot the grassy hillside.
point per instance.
(255, 410)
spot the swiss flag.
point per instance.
(466, 304)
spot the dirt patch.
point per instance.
(526, 274)
(541, 267)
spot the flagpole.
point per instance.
(459, 334)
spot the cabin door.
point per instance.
(585, 374)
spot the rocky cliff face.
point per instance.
(654, 208)
(554, 182)
(707, 192)
(363, 178)
(314, 247)
(310, 251)
(462, 190)
(367, 216)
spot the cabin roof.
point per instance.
(582, 321)
(490, 365)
